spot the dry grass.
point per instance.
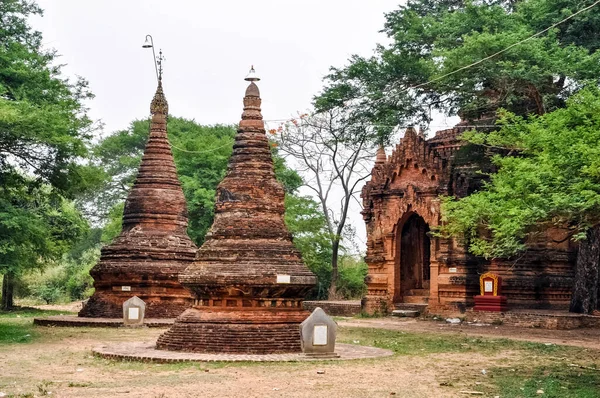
(59, 361)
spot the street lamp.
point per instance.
(149, 43)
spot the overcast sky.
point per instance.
(209, 47)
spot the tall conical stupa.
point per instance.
(248, 278)
(153, 247)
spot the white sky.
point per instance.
(209, 47)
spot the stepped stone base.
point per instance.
(235, 331)
(76, 321)
(490, 303)
(111, 306)
(405, 313)
(146, 352)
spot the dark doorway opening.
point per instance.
(415, 247)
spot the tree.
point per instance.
(554, 181)
(421, 71)
(43, 135)
(37, 226)
(333, 157)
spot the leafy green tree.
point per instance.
(554, 181)
(43, 134)
(306, 222)
(421, 70)
(37, 227)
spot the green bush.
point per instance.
(47, 285)
(67, 281)
(79, 284)
(352, 273)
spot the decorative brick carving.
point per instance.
(248, 278)
(153, 247)
(401, 204)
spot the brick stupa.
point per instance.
(153, 247)
(248, 278)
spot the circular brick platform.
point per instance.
(146, 352)
(76, 321)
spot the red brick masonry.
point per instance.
(248, 278)
(153, 247)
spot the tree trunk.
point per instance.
(7, 291)
(335, 248)
(587, 274)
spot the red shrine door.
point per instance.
(414, 257)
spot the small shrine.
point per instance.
(248, 279)
(490, 298)
(153, 247)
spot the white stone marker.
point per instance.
(133, 311)
(317, 334)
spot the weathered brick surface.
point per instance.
(406, 186)
(75, 321)
(536, 319)
(153, 247)
(334, 308)
(146, 352)
(248, 278)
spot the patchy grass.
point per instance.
(17, 333)
(16, 326)
(425, 364)
(556, 381)
(407, 343)
(28, 312)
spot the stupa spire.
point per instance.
(153, 247)
(248, 278)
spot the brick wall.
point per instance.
(334, 308)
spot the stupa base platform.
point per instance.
(146, 352)
(156, 307)
(77, 321)
(234, 330)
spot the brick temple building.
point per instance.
(408, 265)
(153, 248)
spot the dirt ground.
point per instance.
(65, 367)
(59, 363)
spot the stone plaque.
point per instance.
(489, 286)
(452, 270)
(125, 288)
(133, 312)
(317, 334)
(320, 335)
(284, 279)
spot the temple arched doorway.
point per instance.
(415, 252)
